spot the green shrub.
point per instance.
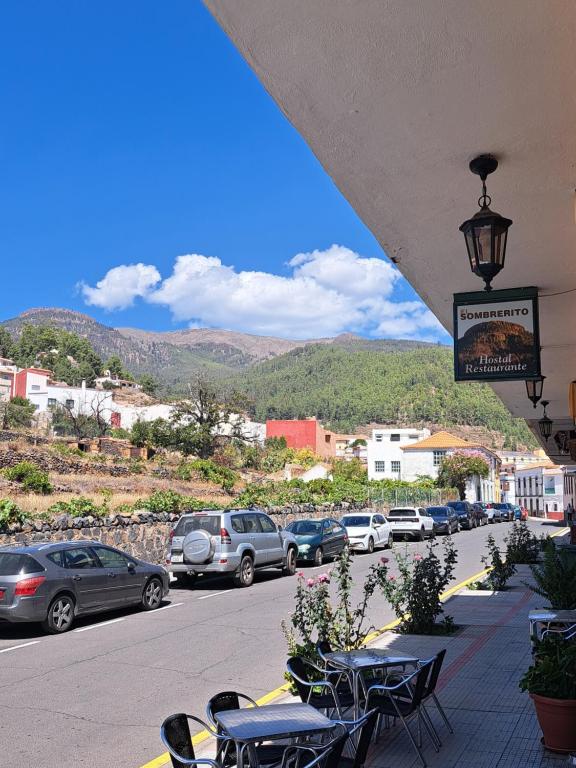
(522, 546)
(500, 569)
(31, 477)
(136, 466)
(161, 501)
(214, 473)
(79, 507)
(10, 513)
(556, 578)
(553, 673)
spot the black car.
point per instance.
(480, 513)
(445, 519)
(506, 510)
(465, 512)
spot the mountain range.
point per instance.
(346, 382)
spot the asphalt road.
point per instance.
(97, 695)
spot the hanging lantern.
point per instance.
(486, 233)
(545, 423)
(534, 389)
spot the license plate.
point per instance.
(178, 558)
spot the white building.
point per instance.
(540, 490)
(36, 385)
(425, 457)
(511, 462)
(384, 451)
(7, 373)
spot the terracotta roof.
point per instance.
(444, 440)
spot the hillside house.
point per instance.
(309, 433)
(7, 374)
(384, 451)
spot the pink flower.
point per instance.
(310, 583)
(300, 574)
(391, 578)
(323, 578)
(417, 556)
(384, 560)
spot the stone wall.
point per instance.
(142, 534)
(53, 463)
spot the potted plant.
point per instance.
(556, 579)
(551, 683)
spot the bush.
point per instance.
(214, 473)
(161, 501)
(500, 569)
(553, 673)
(10, 513)
(415, 593)
(556, 578)
(79, 507)
(31, 477)
(136, 466)
(522, 546)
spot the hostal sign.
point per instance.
(496, 335)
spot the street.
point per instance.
(97, 695)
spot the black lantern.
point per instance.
(534, 389)
(486, 232)
(545, 424)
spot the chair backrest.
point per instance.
(323, 647)
(297, 666)
(176, 731)
(365, 739)
(435, 672)
(222, 702)
(420, 681)
(335, 753)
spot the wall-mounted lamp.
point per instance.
(534, 389)
(545, 423)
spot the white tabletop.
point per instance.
(367, 658)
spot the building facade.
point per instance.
(540, 490)
(385, 456)
(7, 374)
(36, 385)
(309, 433)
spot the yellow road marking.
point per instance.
(268, 697)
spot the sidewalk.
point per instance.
(494, 722)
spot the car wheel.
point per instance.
(390, 541)
(152, 595)
(370, 547)
(186, 579)
(60, 616)
(318, 556)
(244, 576)
(421, 535)
(289, 568)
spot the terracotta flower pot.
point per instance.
(557, 718)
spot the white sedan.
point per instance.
(368, 530)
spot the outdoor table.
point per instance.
(274, 721)
(363, 659)
(541, 620)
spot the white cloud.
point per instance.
(328, 292)
(121, 285)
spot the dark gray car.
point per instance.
(53, 583)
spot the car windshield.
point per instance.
(306, 527)
(16, 564)
(402, 513)
(459, 505)
(500, 506)
(208, 523)
(438, 511)
(356, 522)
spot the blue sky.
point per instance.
(149, 180)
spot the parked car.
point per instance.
(492, 512)
(520, 513)
(54, 583)
(465, 512)
(368, 530)
(234, 541)
(318, 539)
(524, 515)
(445, 519)
(411, 521)
(506, 510)
(480, 513)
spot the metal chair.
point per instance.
(176, 737)
(308, 678)
(324, 755)
(404, 701)
(333, 752)
(568, 633)
(267, 754)
(344, 683)
(430, 690)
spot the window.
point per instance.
(251, 524)
(109, 558)
(35, 387)
(13, 564)
(237, 523)
(51, 402)
(79, 557)
(327, 438)
(266, 524)
(379, 519)
(379, 437)
(379, 466)
(438, 456)
(209, 523)
(413, 437)
(395, 437)
(395, 466)
(69, 403)
(57, 558)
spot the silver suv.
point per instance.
(235, 541)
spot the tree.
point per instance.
(66, 420)
(149, 384)
(457, 469)
(114, 365)
(349, 470)
(6, 343)
(17, 413)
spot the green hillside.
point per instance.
(347, 387)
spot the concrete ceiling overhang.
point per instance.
(395, 97)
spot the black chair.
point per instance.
(404, 701)
(366, 726)
(267, 754)
(176, 737)
(344, 683)
(430, 691)
(324, 755)
(308, 678)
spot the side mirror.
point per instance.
(131, 568)
(279, 528)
